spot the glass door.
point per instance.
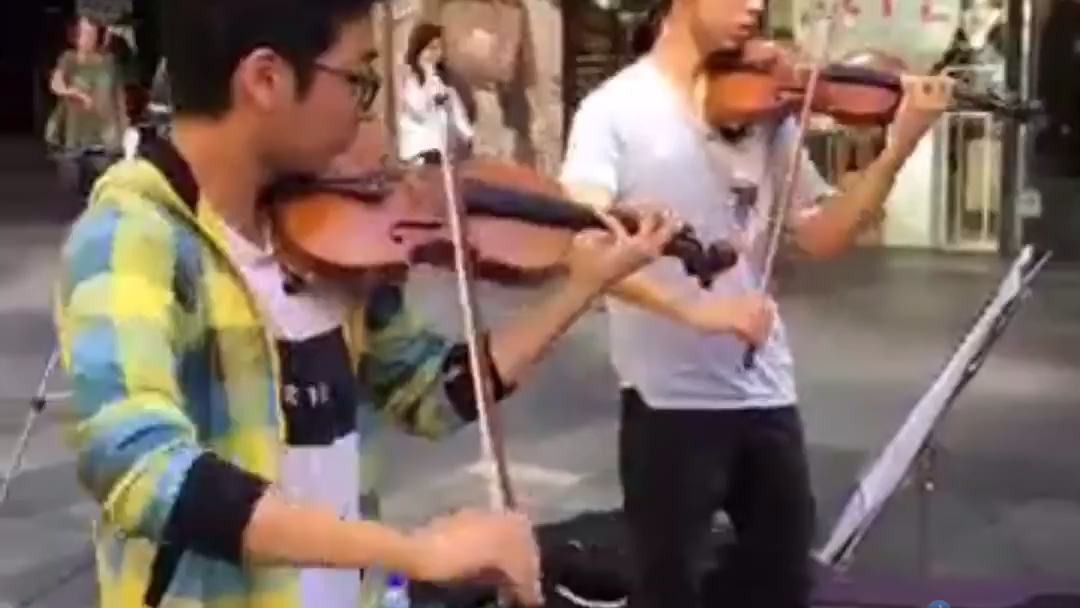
(971, 175)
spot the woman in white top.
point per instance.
(423, 128)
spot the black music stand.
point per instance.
(914, 446)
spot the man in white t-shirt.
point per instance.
(699, 431)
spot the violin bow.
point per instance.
(492, 441)
(500, 491)
(781, 206)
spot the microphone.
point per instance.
(439, 94)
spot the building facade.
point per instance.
(520, 119)
(969, 188)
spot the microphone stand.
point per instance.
(155, 124)
(926, 482)
(38, 402)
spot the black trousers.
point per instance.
(79, 170)
(679, 468)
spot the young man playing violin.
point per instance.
(217, 414)
(699, 432)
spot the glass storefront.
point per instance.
(968, 187)
(1051, 150)
(952, 193)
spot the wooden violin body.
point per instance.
(520, 225)
(761, 81)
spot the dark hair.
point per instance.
(644, 35)
(204, 41)
(99, 30)
(419, 39)
(120, 49)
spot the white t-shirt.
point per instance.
(636, 138)
(422, 124)
(319, 400)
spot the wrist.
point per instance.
(389, 548)
(895, 154)
(687, 313)
(640, 291)
(583, 289)
(408, 557)
(712, 317)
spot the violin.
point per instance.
(520, 226)
(761, 81)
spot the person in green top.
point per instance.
(89, 88)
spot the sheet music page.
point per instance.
(886, 473)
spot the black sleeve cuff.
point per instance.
(459, 383)
(213, 509)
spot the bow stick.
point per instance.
(780, 207)
(493, 446)
(500, 491)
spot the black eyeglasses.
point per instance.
(365, 83)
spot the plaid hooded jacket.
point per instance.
(171, 361)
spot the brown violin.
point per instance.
(761, 81)
(519, 224)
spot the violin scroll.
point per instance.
(701, 261)
(708, 261)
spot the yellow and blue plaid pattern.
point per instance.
(168, 356)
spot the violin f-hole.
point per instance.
(399, 229)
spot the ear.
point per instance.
(264, 80)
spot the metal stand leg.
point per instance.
(37, 405)
(927, 483)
